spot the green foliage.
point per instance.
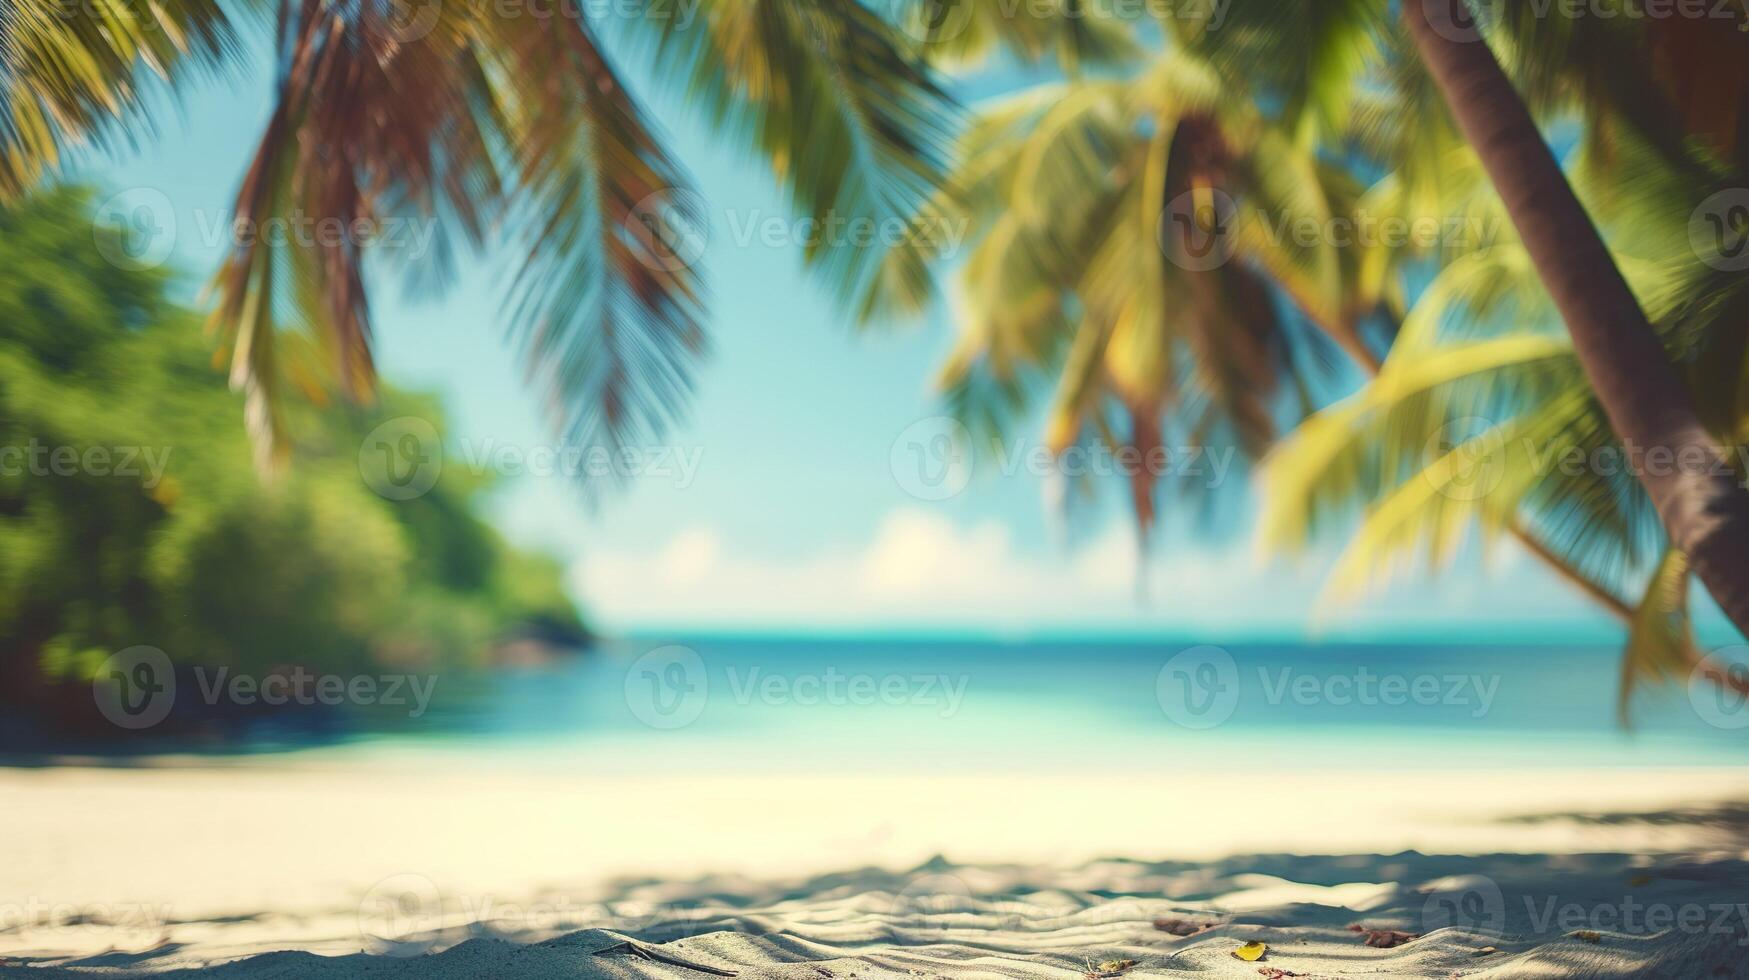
(130, 512)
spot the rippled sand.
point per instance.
(331, 871)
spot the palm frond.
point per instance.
(836, 100)
(1660, 644)
(483, 124)
(80, 73)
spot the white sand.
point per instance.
(111, 871)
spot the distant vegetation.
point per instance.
(131, 513)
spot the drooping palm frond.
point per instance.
(1660, 645)
(608, 307)
(336, 157)
(836, 100)
(483, 129)
(79, 73)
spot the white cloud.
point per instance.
(918, 569)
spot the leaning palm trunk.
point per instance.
(1704, 510)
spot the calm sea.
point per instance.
(955, 706)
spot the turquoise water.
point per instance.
(955, 706)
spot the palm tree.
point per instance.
(1342, 79)
(1483, 360)
(1704, 508)
(1091, 267)
(498, 129)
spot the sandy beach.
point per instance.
(324, 867)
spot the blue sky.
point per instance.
(794, 519)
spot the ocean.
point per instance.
(866, 705)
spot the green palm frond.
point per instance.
(1660, 644)
(79, 73)
(836, 100)
(1378, 439)
(607, 307)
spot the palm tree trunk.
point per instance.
(1704, 510)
